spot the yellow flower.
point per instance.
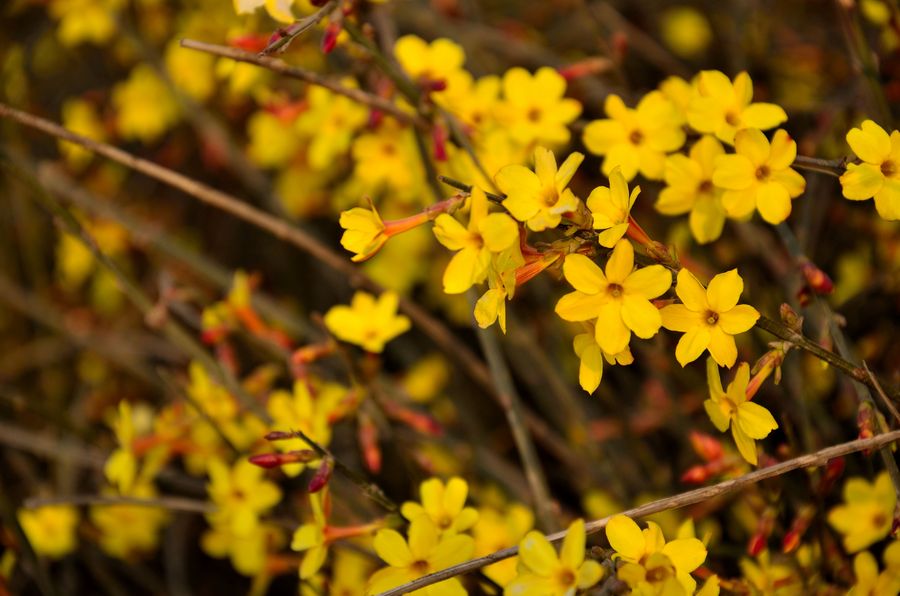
(350, 571)
(709, 318)
(191, 71)
(130, 530)
(439, 62)
(121, 467)
(444, 505)
(540, 197)
(618, 299)
(871, 583)
(426, 551)
(80, 117)
(759, 176)
(387, 159)
(651, 562)
(591, 356)
(497, 530)
(310, 538)
(486, 234)
(610, 207)
(85, 20)
(145, 108)
(533, 108)
(749, 421)
(689, 188)
(544, 573)
(767, 577)
(241, 494)
(248, 552)
(51, 529)
(867, 513)
(273, 143)
(475, 103)
(299, 411)
(367, 322)
(330, 122)
(722, 107)
(878, 175)
(280, 10)
(685, 30)
(635, 139)
(363, 232)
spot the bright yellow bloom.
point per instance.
(367, 322)
(651, 563)
(145, 107)
(191, 71)
(330, 122)
(759, 176)
(85, 20)
(635, 139)
(618, 299)
(310, 539)
(540, 197)
(80, 117)
(871, 583)
(610, 208)
(543, 572)
(51, 529)
(241, 494)
(440, 61)
(426, 551)
(534, 110)
(867, 513)
(486, 234)
(300, 411)
(878, 175)
(363, 232)
(689, 188)
(591, 356)
(708, 317)
(749, 421)
(722, 107)
(387, 160)
(444, 505)
(475, 103)
(497, 530)
(280, 10)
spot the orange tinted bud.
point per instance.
(274, 460)
(214, 335)
(439, 141)
(637, 233)
(833, 471)
(706, 446)
(865, 420)
(756, 545)
(416, 420)
(322, 476)
(329, 39)
(249, 43)
(798, 528)
(696, 475)
(531, 269)
(368, 442)
(587, 67)
(817, 280)
(790, 317)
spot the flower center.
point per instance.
(615, 290)
(566, 577)
(636, 137)
(705, 187)
(445, 522)
(658, 574)
(879, 520)
(534, 114)
(732, 118)
(420, 566)
(712, 317)
(763, 172)
(888, 168)
(549, 196)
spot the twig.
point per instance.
(283, 68)
(880, 392)
(468, 188)
(297, 28)
(832, 167)
(171, 503)
(698, 495)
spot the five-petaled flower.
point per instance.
(610, 208)
(367, 322)
(540, 197)
(543, 572)
(709, 318)
(878, 175)
(619, 298)
(533, 107)
(749, 421)
(444, 505)
(867, 514)
(759, 176)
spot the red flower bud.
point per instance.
(322, 475)
(275, 460)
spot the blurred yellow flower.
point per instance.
(438, 63)
(280, 10)
(869, 582)
(330, 122)
(241, 495)
(878, 175)
(533, 109)
(867, 514)
(367, 322)
(80, 117)
(86, 20)
(498, 529)
(591, 357)
(51, 530)
(145, 107)
(722, 107)
(685, 30)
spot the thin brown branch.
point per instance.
(879, 391)
(298, 28)
(691, 497)
(283, 68)
(832, 167)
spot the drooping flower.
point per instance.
(749, 421)
(722, 107)
(540, 197)
(543, 571)
(759, 176)
(426, 551)
(591, 357)
(689, 188)
(867, 513)
(486, 234)
(533, 109)
(635, 139)
(444, 504)
(619, 298)
(878, 175)
(708, 317)
(367, 322)
(650, 562)
(610, 208)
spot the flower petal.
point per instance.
(626, 538)
(870, 142)
(584, 274)
(739, 319)
(691, 291)
(678, 317)
(733, 172)
(756, 421)
(392, 548)
(611, 332)
(686, 554)
(722, 347)
(578, 306)
(641, 317)
(648, 282)
(692, 344)
(746, 446)
(752, 143)
(572, 552)
(620, 263)
(724, 291)
(861, 181)
(537, 554)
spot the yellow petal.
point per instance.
(590, 369)
(578, 306)
(686, 554)
(641, 317)
(455, 495)
(691, 291)
(450, 232)
(746, 446)
(861, 181)
(773, 202)
(783, 150)
(677, 317)
(620, 263)
(724, 291)
(707, 219)
(392, 548)
(423, 537)
(870, 142)
(756, 421)
(584, 275)
(567, 170)
(601, 135)
(589, 574)
(718, 417)
(763, 116)
(611, 332)
(887, 200)
(752, 143)
(692, 344)
(735, 172)
(537, 554)
(466, 268)
(623, 156)
(648, 282)
(572, 552)
(739, 319)
(722, 347)
(626, 538)
(498, 231)
(608, 238)
(545, 166)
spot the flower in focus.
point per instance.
(749, 421)
(533, 108)
(689, 188)
(540, 197)
(544, 572)
(610, 208)
(759, 176)
(878, 175)
(367, 322)
(619, 298)
(309, 538)
(635, 139)
(722, 107)
(591, 357)
(651, 564)
(426, 551)
(485, 235)
(363, 232)
(709, 318)
(867, 513)
(50, 529)
(444, 505)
